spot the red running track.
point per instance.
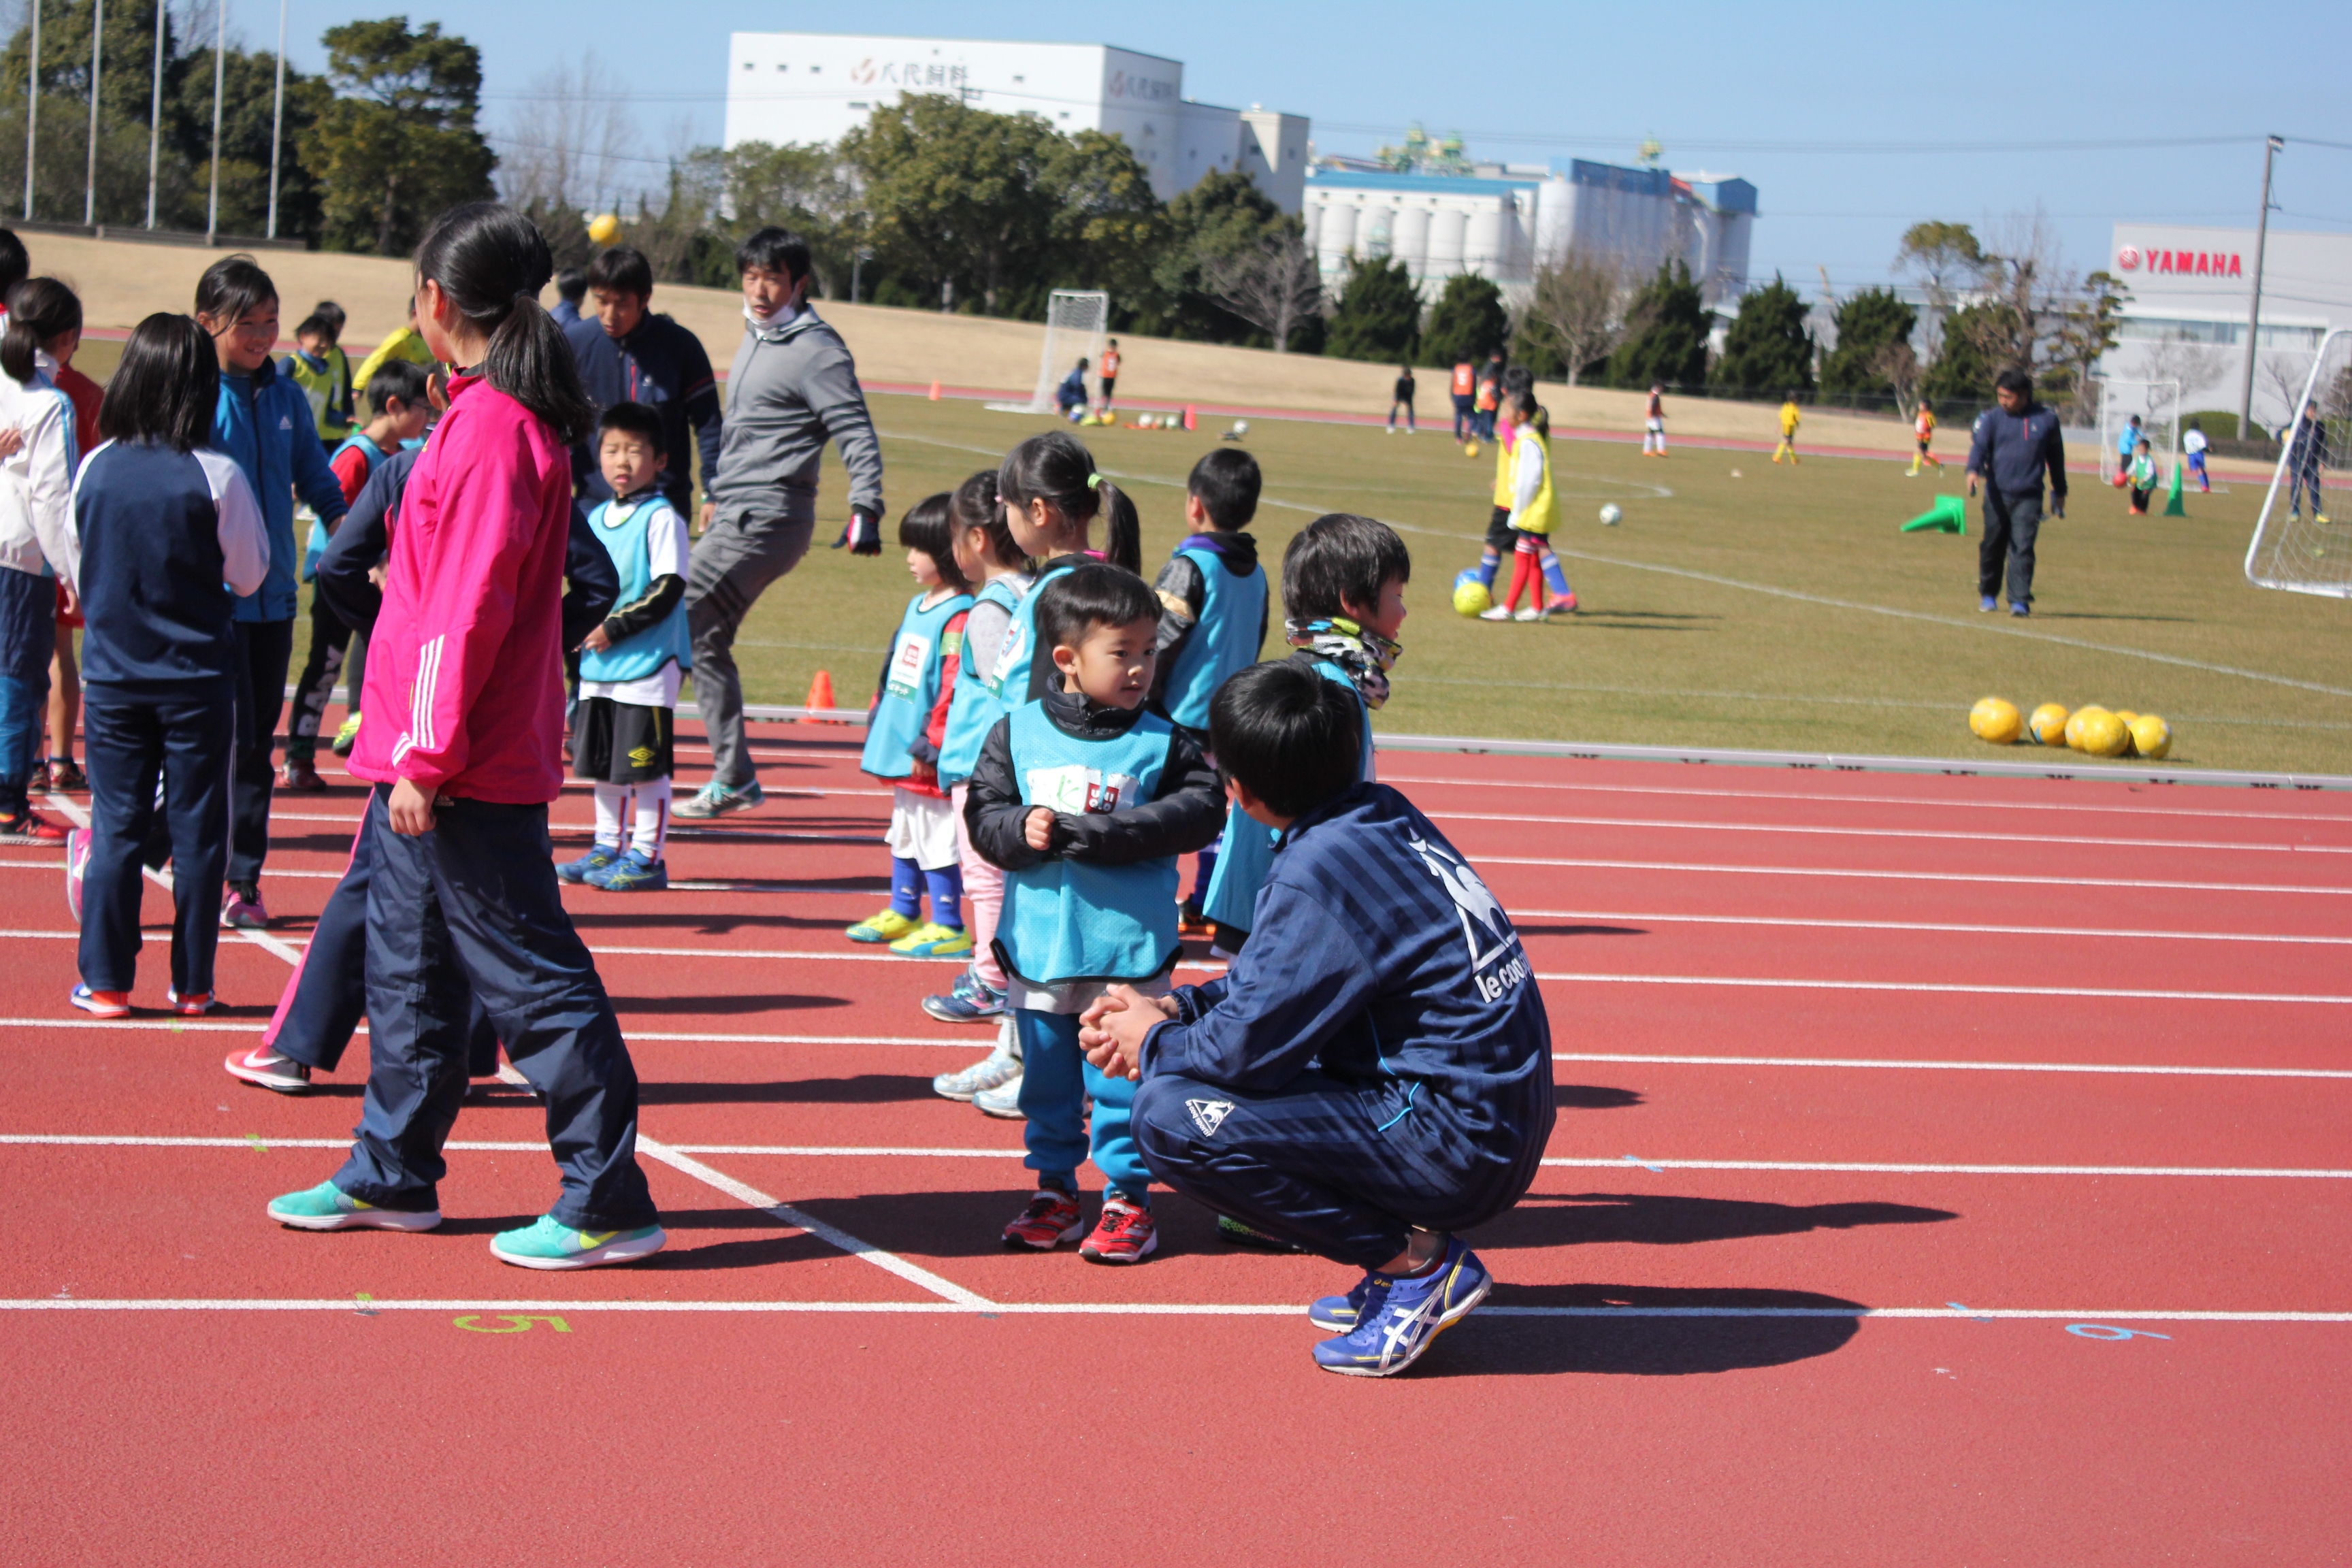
(1948, 1169)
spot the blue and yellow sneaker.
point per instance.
(328, 1207)
(585, 869)
(1397, 1318)
(888, 926)
(632, 873)
(932, 939)
(545, 1243)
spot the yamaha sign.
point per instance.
(2196, 263)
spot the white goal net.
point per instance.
(2157, 404)
(2303, 540)
(1075, 320)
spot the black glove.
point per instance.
(862, 534)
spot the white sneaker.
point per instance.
(1496, 613)
(1530, 614)
(1003, 1101)
(1000, 1066)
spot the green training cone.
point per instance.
(2173, 507)
(1948, 515)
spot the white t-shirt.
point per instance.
(665, 556)
(2194, 441)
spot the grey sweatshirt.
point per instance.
(792, 389)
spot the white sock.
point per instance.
(612, 812)
(653, 818)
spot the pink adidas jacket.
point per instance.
(465, 669)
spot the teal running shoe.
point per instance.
(1398, 1319)
(546, 1244)
(328, 1207)
(632, 873)
(585, 869)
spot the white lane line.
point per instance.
(1964, 837)
(1521, 917)
(974, 1041)
(59, 864)
(895, 1152)
(1128, 1309)
(2124, 1068)
(2011, 878)
(890, 1262)
(1763, 797)
(1928, 987)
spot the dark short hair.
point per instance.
(1517, 379)
(15, 266)
(774, 249)
(1339, 557)
(166, 386)
(572, 284)
(1075, 602)
(930, 526)
(1225, 482)
(40, 311)
(631, 418)
(233, 286)
(2014, 380)
(1288, 735)
(623, 269)
(333, 314)
(401, 378)
(313, 325)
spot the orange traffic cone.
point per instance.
(935, 392)
(820, 698)
(1191, 417)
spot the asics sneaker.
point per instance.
(1341, 1313)
(328, 1207)
(77, 867)
(575, 872)
(888, 926)
(932, 939)
(1124, 1233)
(971, 1000)
(346, 738)
(265, 1066)
(545, 1243)
(716, 799)
(1051, 1219)
(1398, 1318)
(1000, 1066)
(632, 873)
(101, 1003)
(1002, 1102)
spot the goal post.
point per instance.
(1075, 322)
(2303, 541)
(2158, 403)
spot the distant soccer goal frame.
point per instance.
(2301, 554)
(2158, 403)
(1077, 320)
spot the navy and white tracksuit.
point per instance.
(1247, 849)
(1377, 1058)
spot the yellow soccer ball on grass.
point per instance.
(2048, 724)
(1996, 719)
(2150, 735)
(603, 228)
(2095, 732)
(1471, 595)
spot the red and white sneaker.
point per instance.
(1051, 1219)
(30, 827)
(265, 1066)
(101, 1003)
(1124, 1233)
(195, 1005)
(76, 865)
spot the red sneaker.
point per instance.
(30, 827)
(1125, 1234)
(1051, 1219)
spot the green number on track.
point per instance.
(514, 1324)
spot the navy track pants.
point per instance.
(127, 747)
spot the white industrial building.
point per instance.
(817, 87)
(2191, 291)
(1507, 220)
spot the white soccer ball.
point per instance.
(1240, 426)
(1612, 514)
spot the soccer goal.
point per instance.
(2158, 403)
(2303, 542)
(1075, 320)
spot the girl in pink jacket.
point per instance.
(464, 747)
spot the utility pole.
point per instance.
(2271, 148)
(89, 183)
(32, 109)
(155, 117)
(278, 120)
(220, 57)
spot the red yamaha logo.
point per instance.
(2129, 259)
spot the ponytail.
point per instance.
(1123, 533)
(1056, 467)
(40, 311)
(490, 262)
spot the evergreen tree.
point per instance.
(1963, 369)
(1378, 314)
(398, 146)
(1768, 348)
(1223, 215)
(1665, 333)
(1468, 321)
(1868, 323)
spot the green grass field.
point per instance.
(1780, 610)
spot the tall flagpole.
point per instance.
(220, 57)
(278, 120)
(155, 117)
(32, 109)
(90, 185)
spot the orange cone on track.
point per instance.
(820, 698)
(935, 392)
(1191, 417)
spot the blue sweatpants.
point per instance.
(1055, 1078)
(1340, 1169)
(127, 746)
(327, 997)
(28, 636)
(472, 905)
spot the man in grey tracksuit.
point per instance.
(2016, 445)
(793, 387)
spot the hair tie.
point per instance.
(1094, 481)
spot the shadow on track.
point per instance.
(1651, 1219)
(782, 1001)
(1491, 1344)
(1593, 1097)
(864, 1089)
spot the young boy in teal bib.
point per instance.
(1086, 797)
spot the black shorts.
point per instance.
(1110, 385)
(1500, 534)
(621, 742)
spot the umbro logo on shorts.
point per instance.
(642, 757)
(1208, 1115)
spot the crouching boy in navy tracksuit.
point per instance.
(1086, 797)
(1212, 602)
(1373, 1075)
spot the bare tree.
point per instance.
(1578, 297)
(1897, 364)
(572, 142)
(1272, 284)
(2280, 378)
(1947, 258)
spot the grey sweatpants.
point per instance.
(748, 547)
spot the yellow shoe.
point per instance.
(931, 940)
(888, 926)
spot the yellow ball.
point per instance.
(2048, 724)
(2095, 732)
(2125, 714)
(603, 228)
(1996, 720)
(2151, 735)
(2073, 730)
(1472, 597)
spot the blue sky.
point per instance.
(1997, 106)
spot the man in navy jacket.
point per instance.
(1373, 1075)
(627, 355)
(2014, 447)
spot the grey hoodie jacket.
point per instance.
(792, 388)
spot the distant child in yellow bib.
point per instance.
(1790, 420)
(1923, 428)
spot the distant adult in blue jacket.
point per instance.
(1373, 1075)
(2014, 446)
(264, 422)
(627, 355)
